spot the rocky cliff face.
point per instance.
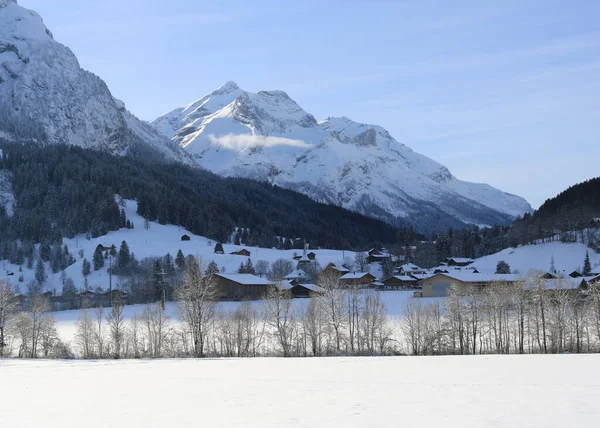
(46, 97)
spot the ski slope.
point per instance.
(451, 391)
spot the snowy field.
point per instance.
(481, 391)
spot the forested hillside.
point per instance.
(570, 210)
(64, 190)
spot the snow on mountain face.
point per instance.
(267, 136)
(46, 97)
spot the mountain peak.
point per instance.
(226, 88)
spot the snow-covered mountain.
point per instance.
(267, 136)
(45, 96)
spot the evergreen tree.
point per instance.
(212, 268)
(113, 250)
(587, 265)
(249, 268)
(40, 272)
(242, 268)
(45, 251)
(98, 258)
(502, 267)
(124, 256)
(219, 248)
(180, 260)
(86, 268)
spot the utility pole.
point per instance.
(110, 278)
(163, 297)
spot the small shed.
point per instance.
(243, 252)
(185, 237)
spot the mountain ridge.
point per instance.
(267, 136)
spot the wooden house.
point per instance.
(243, 252)
(241, 286)
(438, 284)
(399, 282)
(335, 269)
(377, 256)
(458, 261)
(185, 237)
(356, 279)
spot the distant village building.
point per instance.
(298, 290)
(243, 252)
(360, 279)
(336, 269)
(399, 282)
(297, 275)
(438, 284)
(185, 237)
(241, 286)
(304, 260)
(410, 269)
(377, 256)
(458, 261)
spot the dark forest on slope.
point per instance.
(63, 191)
(571, 210)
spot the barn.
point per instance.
(241, 286)
(438, 284)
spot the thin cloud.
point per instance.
(245, 141)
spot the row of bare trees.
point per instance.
(524, 317)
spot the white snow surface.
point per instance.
(567, 258)
(46, 97)
(451, 391)
(269, 137)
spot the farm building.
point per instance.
(243, 252)
(438, 284)
(241, 286)
(356, 279)
(185, 237)
(399, 282)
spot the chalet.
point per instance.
(361, 279)
(301, 290)
(185, 237)
(458, 261)
(112, 296)
(549, 275)
(410, 269)
(377, 256)
(242, 252)
(575, 274)
(297, 275)
(438, 284)
(241, 286)
(334, 269)
(399, 282)
(102, 248)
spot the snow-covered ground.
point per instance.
(479, 391)
(567, 258)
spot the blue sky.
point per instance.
(505, 93)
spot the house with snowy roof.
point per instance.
(334, 268)
(458, 261)
(357, 279)
(298, 290)
(241, 286)
(438, 284)
(399, 282)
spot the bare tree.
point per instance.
(333, 305)
(197, 296)
(99, 333)
(116, 325)
(279, 316)
(84, 333)
(373, 322)
(313, 324)
(7, 309)
(360, 262)
(156, 324)
(280, 269)
(261, 268)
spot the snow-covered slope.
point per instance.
(45, 96)
(567, 258)
(267, 136)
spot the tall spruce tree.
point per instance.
(40, 272)
(180, 260)
(98, 258)
(587, 265)
(124, 256)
